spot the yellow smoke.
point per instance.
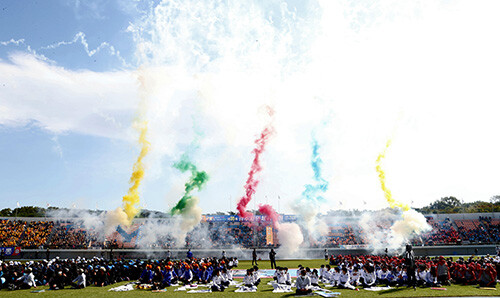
(131, 199)
(381, 175)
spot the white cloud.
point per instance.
(427, 72)
(61, 100)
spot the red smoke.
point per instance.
(270, 214)
(252, 181)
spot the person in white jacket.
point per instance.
(217, 282)
(369, 277)
(227, 276)
(327, 274)
(424, 277)
(248, 280)
(345, 280)
(303, 284)
(356, 276)
(384, 276)
(288, 277)
(80, 281)
(280, 275)
(27, 280)
(256, 275)
(334, 278)
(322, 270)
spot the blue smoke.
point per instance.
(313, 192)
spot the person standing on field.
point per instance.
(272, 258)
(254, 257)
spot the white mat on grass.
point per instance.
(327, 293)
(124, 288)
(246, 289)
(199, 291)
(376, 289)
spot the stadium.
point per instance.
(464, 239)
(274, 148)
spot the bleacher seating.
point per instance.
(72, 235)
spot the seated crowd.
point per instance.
(80, 272)
(32, 234)
(367, 271)
(343, 272)
(67, 235)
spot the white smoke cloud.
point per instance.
(290, 237)
(366, 63)
(187, 220)
(411, 224)
(81, 38)
(392, 228)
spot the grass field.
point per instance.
(264, 289)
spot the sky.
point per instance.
(77, 76)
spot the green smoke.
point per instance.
(196, 181)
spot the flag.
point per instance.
(18, 205)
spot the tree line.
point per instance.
(443, 205)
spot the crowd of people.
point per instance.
(484, 230)
(371, 270)
(25, 234)
(442, 232)
(341, 271)
(79, 273)
(67, 235)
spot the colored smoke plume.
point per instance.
(309, 204)
(187, 220)
(131, 200)
(289, 234)
(113, 219)
(381, 175)
(270, 214)
(196, 181)
(252, 181)
(408, 223)
(187, 211)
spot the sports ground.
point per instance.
(264, 290)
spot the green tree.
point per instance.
(6, 212)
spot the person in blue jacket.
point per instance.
(146, 275)
(207, 275)
(187, 276)
(169, 277)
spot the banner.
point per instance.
(355, 246)
(236, 218)
(10, 251)
(269, 235)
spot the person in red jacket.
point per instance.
(470, 277)
(488, 277)
(443, 272)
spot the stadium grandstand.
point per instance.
(228, 231)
